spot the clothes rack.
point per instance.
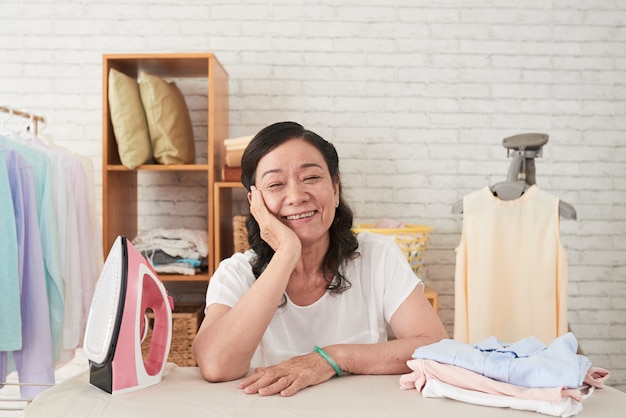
(55, 257)
(16, 403)
(35, 119)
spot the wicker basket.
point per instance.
(186, 321)
(411, 239)
(240, 234)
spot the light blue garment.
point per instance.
(189, 261)
(10, 318)
(528, 362)
(34, 361)
(46, 214)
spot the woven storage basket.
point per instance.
(240, 234)
(411, 239)
(186, 321)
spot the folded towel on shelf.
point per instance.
(233, 158)
(237, 143)
(234, 150)
(176, 268)
(158, 257)
(173, 250)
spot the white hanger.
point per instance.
(3, 129)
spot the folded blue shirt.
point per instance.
(528, 362)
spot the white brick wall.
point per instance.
(417, 96)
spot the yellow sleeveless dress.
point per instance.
(511, 269)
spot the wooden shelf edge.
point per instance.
(202, 277)
(159, 167)
(159, 55)
(228, 185)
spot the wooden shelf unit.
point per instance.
(119, 184)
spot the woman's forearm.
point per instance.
(228, 337)
(382, 358)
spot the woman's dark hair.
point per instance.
(343, 242)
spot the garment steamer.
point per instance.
(523, 148)
(117, 324)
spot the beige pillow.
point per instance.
(168, 119)
(128, 120)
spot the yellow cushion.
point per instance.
(128, 120)
(168, 119)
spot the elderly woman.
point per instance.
(310, 300)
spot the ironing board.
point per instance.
(184, 393)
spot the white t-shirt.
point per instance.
(381, 280)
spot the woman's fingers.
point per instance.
(272, 230)
(266, 384)
(288, 377)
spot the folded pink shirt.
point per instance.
(424, 370)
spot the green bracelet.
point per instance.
(329, 359)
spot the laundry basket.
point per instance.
(411, 239)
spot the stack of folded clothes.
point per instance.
(175, 251)
(528, 375)
(232, 159)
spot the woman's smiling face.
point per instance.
(298, 189)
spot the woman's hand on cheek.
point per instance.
(273, 231)
(288, 377)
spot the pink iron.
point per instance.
(117, 323)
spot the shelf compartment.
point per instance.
(120, 185)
